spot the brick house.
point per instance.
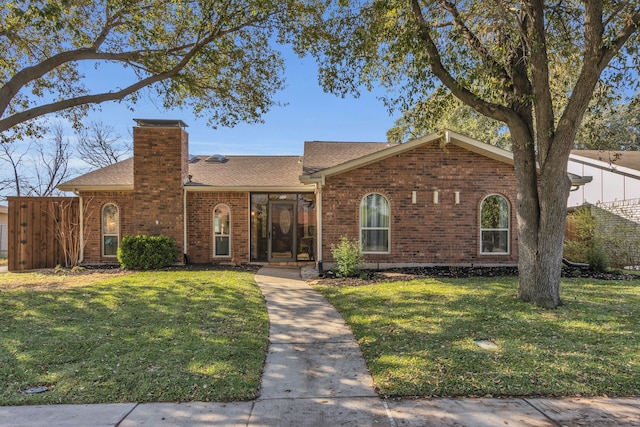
(443, 199)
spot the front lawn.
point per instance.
(419, 337)
(141, 337)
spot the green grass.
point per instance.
(418, 338)
(142, 337)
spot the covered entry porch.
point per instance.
(283, 228)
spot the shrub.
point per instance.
(147, 252)
(348, 257)
(578, 244)
(598, 260)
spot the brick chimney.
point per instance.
(160, 169)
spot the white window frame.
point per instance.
(508, 229)
(227, 234)
(102, 230)
(361, 228)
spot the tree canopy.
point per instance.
(532, 65)
(215, 57)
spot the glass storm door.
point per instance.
(282, 226)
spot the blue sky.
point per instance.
(310, 114)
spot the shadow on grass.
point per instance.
(164, 336)
(419, 337)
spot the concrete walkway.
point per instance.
(315, 376)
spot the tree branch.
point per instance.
(596, 58)
(473, 41)
(496, 112)
(539, 66)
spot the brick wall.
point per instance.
(200, 206)
(93, 202)
(160, 167)
(423, 233)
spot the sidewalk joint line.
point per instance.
(387, 410)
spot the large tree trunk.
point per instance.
(541, 213)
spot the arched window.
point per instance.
(110, 229)
(374, 224)
(494, 225)
(221, 231)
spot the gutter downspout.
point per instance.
(184, 225)
(81, 232)
(319, 221)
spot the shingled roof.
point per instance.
(320, 155)
(253, 172)
(116, 176)
(239, 172)
(234, 173)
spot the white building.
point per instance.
(616, 176)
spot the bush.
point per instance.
(578, 244)
(598, 260)
(147, 252)
(348, 257)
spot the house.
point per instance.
(4, 232)
(616, 176)
(443, 199)
(614, 198)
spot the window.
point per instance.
(374, 224)
(221, 231)
(110, 229)
(494, 225)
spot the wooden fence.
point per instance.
(34, 240)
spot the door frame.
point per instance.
(294, 230)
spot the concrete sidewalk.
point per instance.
(315, 376)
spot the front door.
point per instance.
(282, 226)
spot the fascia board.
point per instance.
(610, 167)
(251, 189)
(95, 187)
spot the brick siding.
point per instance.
(160, 165)
(423, 233)
(93, 202)
(200, 206)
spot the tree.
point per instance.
(615, 127)
(51, 167)
(530, 64)
(99, 146)
(38, 171)
(215, 57)
(441, 110)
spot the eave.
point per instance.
(77, 188)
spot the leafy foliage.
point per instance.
(217, 58)
(611, 126)
(348, 257)
(578, 243)
(147, 252)
(533, 66)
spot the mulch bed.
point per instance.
(399, 274)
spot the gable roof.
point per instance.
(626, 159)
(384, 151)
(319, 155)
